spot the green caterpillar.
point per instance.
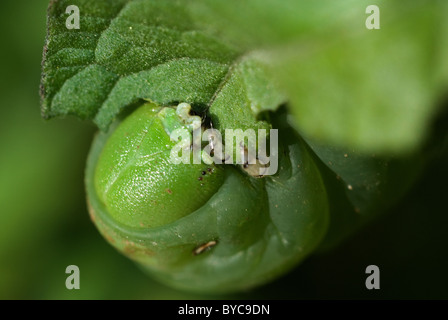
(214, 227)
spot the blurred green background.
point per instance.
(44, 224)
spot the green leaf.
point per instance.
(128, 51)
(373, 90)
